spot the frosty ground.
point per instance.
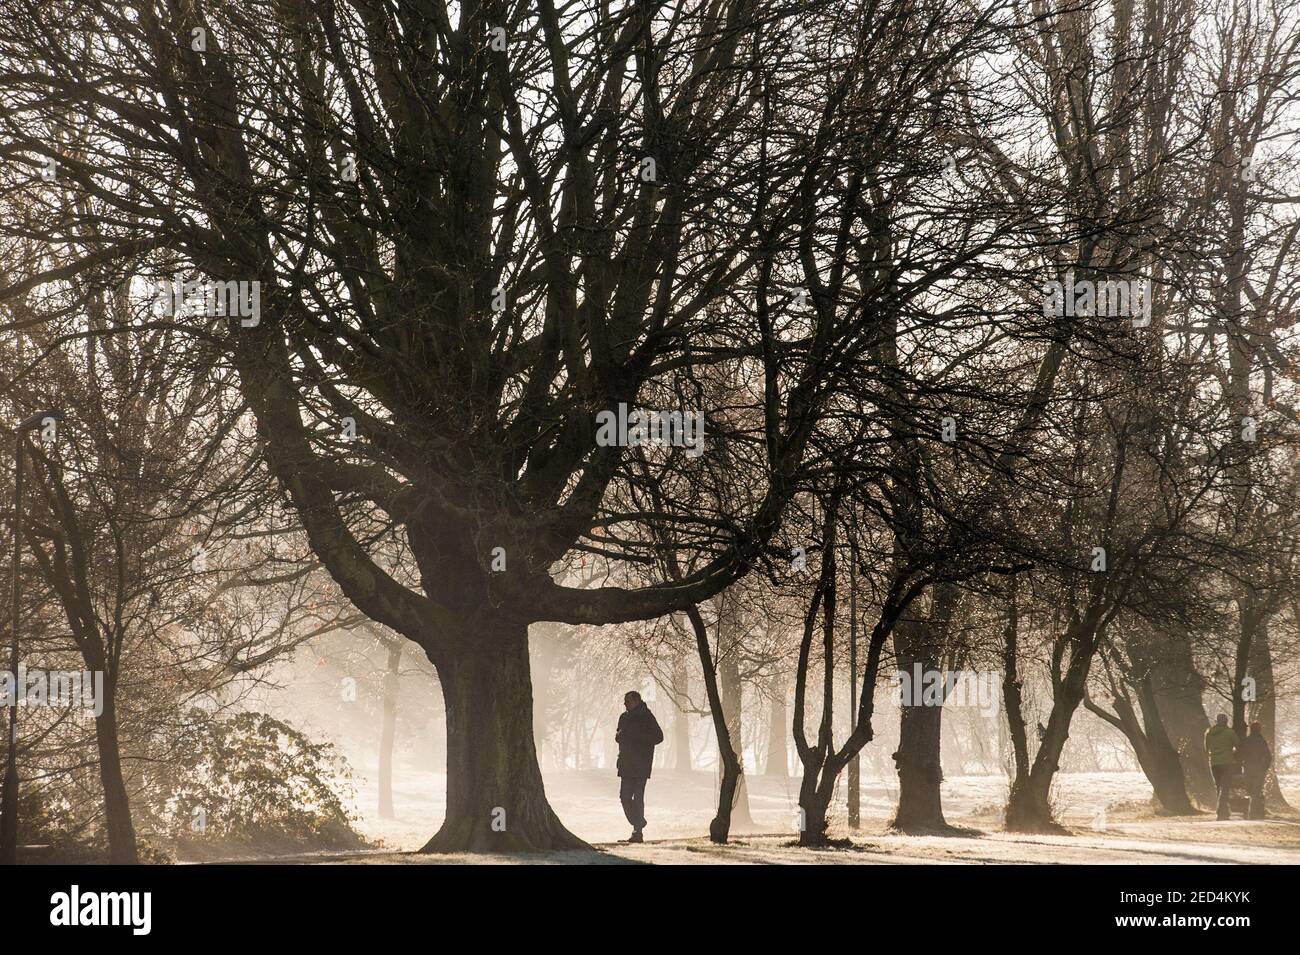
(1108, 814)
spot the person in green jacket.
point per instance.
(1221, 746)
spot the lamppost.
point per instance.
(9, 800)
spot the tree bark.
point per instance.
(920, 774)
(920, 805)
(822, 763)
(919, 645)
(1178, 691)
(1155, 754)
(729, 678)
(117, 804)
(681, 720)
(1164, 765)
(720, 825)
(855, 764)
(388, 731)
(1029, 806)
(1264, 710)
(496, 801)
(815, 794)
(1011, 692)
(542, 650)
(778, 747)
(1251, 623)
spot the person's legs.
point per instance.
(1255, 786)
(640, 802)
(627, 790)
(1223, 782)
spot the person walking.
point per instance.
(1221, 746)
(637, 736)
(1256, 757)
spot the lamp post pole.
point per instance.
(9, 800)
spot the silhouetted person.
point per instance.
(637, 736)
(1255, 760)
(1221, 747)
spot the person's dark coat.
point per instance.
(1255, 756)
(638, 735)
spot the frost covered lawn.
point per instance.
(1108, 814)
(1149, 842)
(680, 805)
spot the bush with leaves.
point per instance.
(252, 783)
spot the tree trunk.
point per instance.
(822, 763)
(388, 731)
(1252, 622)
(720, 825)
(778, 751)
(920, 806)
(1265, 711)
(1178, 691)
(729, 679)
(919, 646)
(117, 804)
(541, 649)
(1156, 757)
(815, 794)
(1011, 693)
(1163, 766)
(855, 764)
(681, 720)
(1156, 753)
(496, 801)
(1029, 807)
